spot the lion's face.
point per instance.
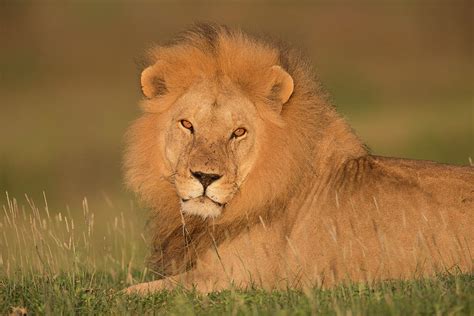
(210, 125)
(210, 145)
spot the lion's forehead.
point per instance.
(220, 115)
(215, 109)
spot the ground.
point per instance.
(78, 262)
(85, 293)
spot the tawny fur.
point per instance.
(315, 209)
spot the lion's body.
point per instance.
(298, 201)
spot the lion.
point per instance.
(254, 179)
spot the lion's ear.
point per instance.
(153, 81)
(280, 87)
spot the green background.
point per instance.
(401, 72)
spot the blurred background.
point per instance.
(401, 72)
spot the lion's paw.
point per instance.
(146, 288)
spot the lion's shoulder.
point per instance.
(393, 178)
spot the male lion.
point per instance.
(255, 180)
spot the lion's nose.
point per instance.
(205, 178)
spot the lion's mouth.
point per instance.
(204, 198)
(202, 206)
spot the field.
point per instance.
(71, 235)
(84, 294)
(63, 264)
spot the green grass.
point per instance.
(77, 261)
(82, 293)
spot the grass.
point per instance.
(85, 293)
(63, 263)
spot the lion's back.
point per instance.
(390, 218)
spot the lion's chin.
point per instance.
(201, 206)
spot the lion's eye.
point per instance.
(187, 125)
(239, 132)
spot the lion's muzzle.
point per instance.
(204, 194)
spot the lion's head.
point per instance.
(232, 127)
(211, 136)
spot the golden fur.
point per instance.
(312, 205)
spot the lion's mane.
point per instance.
(307, 128)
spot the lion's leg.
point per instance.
(184, 280)
(202, 281)
(149, 287)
